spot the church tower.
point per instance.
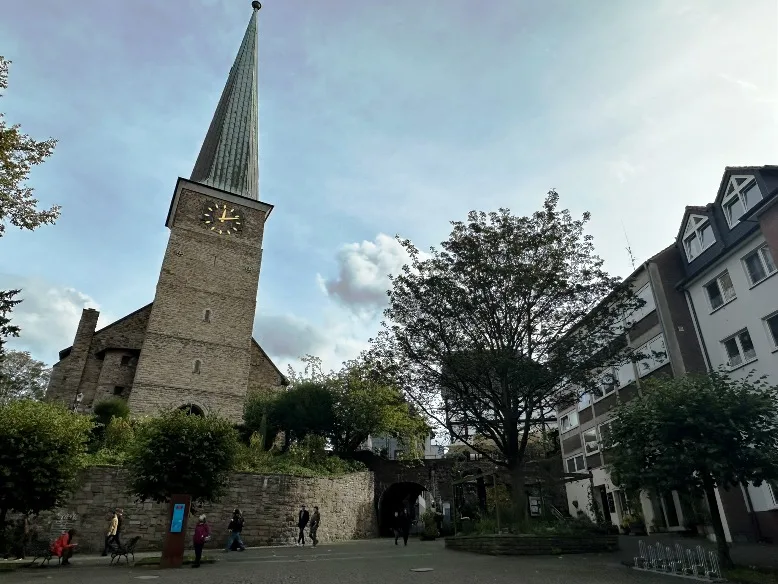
(197, 348)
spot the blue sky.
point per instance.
(375, 119)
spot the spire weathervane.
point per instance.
(229, 156)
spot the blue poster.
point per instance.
(177, 524)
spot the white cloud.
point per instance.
(363, 274)
(48, 316)
(287, 337)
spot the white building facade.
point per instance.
(730, 249)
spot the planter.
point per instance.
(533, 545)
(637, 528)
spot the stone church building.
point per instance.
(192, 347)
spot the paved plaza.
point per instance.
(362, 562)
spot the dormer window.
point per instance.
(698, 236)
(741, 195)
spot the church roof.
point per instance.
(228, 158)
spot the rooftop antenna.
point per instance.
(629, 247)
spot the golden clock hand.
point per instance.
(230, 218)
(224, 214)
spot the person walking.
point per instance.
(302, 521)
(402, 525)
(235, 527)
(315, 521)
(110, 536)
(202, 534)
(119, 521)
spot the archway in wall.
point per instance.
(392, 499)
(192, 410)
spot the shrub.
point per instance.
(179, 453)
(42, 446)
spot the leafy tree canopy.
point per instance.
(697, 432)
(41, 451)
(107, 409)
(345, 407)
(22, 377)
(176, 453)
(18, 154)
(482, 334)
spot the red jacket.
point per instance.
(61, 544)
(201, 532)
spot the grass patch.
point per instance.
(752, 575)
(153, 561)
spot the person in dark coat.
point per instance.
(402, 525)
(315, 522)
(302, 521)
(235, 527)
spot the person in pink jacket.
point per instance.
(202, 534)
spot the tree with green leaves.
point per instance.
(18, 154)
(698, 432)
(177, 453)
(366, 405)
(22, 377)
(41, 451)
(484, 333)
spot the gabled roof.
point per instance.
(688, 212)
(283, 377)
(65, 352)
(730, 171)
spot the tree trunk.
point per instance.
(718, 527)
(519, 495)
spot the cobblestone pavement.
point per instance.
(363, 562)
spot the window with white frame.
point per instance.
(568, 421)
(591, 444)
(654, 355)
(773, 488)
(741, 195)
(576, 463)
(585, 400)
(739, 349)
(759, 264)
(647, 296)
(625, 374)
(720, 290)
(604, 429)
(606, 385)
(771, 322)
(698, 236)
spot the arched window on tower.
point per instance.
(207, 315)
(196, 368)
(192, 410)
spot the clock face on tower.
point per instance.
(221, 218)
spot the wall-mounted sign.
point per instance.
(177, 523)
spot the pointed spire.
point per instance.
(228, 158)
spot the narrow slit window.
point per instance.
(196, 368)
(207, 315)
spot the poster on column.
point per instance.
(177, 523)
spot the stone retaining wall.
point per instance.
(531, 545)
(269, 504)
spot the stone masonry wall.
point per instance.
(269, 504)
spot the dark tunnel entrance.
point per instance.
(393, 498)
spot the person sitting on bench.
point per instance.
(63, 546)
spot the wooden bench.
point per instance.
(125, 550)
